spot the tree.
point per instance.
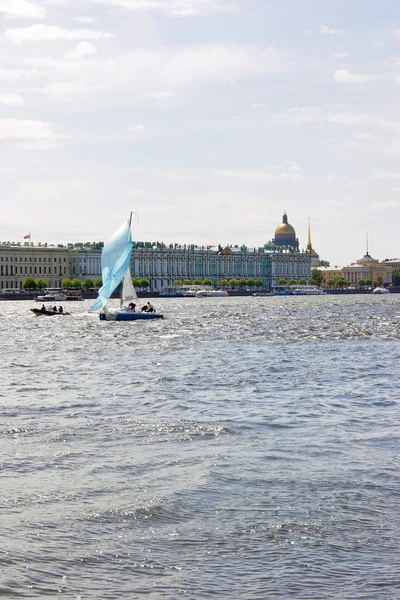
(292, 281)
(330, 282)
(144, 283)
(316, 274)
(207, 281)
(233, 283)
(302, 281)
(312, 281)
(98, 282)
(29, 284)
(375, 283)
(396, 278)
(258, 282)
(223, 283)
(76, 284)
(324, 263)
(196, 282)
(41, 284)
(87, 284)
(251, 283)
(282, 281)
(368, 282)
(242, 282)
(177, 282)
(187, 282)
(66, 283)
(135, 282)
(361, 282)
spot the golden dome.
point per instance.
(285, 229)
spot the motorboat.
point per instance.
(308, 290)
(52, 295)
(207, 293)
(380, 290)
(39, 312)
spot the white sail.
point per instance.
(128, 291)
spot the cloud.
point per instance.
(15, 74)
(22, 8)
(268, 174)
(343, 76)
(377, 174)
(175, 8)
(159, 95)
(85, 20)
(298, 115)
(341, 55)
(13, 100)
(325, 30)
(35, 133)
(49, 33)
(81, 50)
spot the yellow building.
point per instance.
(17, 262)
(368, 268)
(331, 273)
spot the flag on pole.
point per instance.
(27, 237)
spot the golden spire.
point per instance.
(309, 245)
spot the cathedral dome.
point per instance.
(285, 228)
(285, 234)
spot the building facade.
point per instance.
(19, 261)
(162, 265)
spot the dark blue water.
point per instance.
(243, 448)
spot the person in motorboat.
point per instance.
(54, 308)
(60, 309)
(43, 309)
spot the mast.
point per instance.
(123, 279)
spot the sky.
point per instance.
(207, 118)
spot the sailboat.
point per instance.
(115, 267)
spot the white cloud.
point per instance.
(377, 174)
(81, 50)
(13, 100)
(177, 8)
(62, 89)
(49, 33)
(15, 74)
(22, 8)
(343, 76)
(341, 55)
(159, 95)
(258, 105)
(299, 115)
(268, 174)
(379, 44)
(25, 131)
(345, 180)
(325, 30)
(85, 20)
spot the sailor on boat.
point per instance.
(132, 306)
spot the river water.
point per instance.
(242, 448)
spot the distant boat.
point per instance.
(59, 295)
(115, 261)
(380, 290)
(47, 312)
(206, 293)
(308, 290)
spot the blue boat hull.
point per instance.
(131, 316)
